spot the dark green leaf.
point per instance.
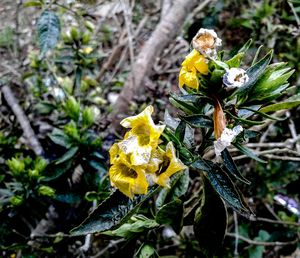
(222, 184)
(198, 121)
(54, 171)
(210, 222)
(179, 186)
(171, 214)
(231, 167)
(68, 198)
(186, 107)
(180, 131)
(48, 26)
(68, 155)
(247, 152)
(265, 115)
(245, 121)
(113, 211)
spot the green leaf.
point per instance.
(221, 64)
(171, 214)
(222, 184)
(113, 211)
(258, 251)
(254, 72)
(181, 104)
(236, 60)
(32, 3)
(133, 227)
(179, 186)
(231, 167)
(48, 26)
(44, 108)
(245, 47)
(70, 198)
(146, 251)
(54, 171)
(247, 152)
(198, 121)
(68, 155)
(287, 104)
(180, 131)
(243, 120)
(60, 138)
(210, 222)
(263, 114)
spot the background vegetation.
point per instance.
(57, 100)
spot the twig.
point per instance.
(262, 243)
(283, 158)
(127, 17)
(295, 13)
(236, 229)
(32, 140)
(287, 223)
(88, 237)
(294, 134)
(105, 249)
(267, 153)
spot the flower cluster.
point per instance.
(205, 43)
(138, 161)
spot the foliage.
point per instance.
(68, 188)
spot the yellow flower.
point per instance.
(170, 166)
(142, 138)
(193, 63)
(128, 179)
(86, 50)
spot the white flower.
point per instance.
(227, 137)
(235, 78)
(206, 41)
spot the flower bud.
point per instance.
(46, 190)
(16, 200)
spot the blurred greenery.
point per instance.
(42, 198)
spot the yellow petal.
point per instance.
(175, 165)
(201, 65)
(117, 155)
(155, 161)
(195, 60)
(188, 78)
(129, 180)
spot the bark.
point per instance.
(29, 134)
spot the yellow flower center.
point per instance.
(127, 172)
(143, 135)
